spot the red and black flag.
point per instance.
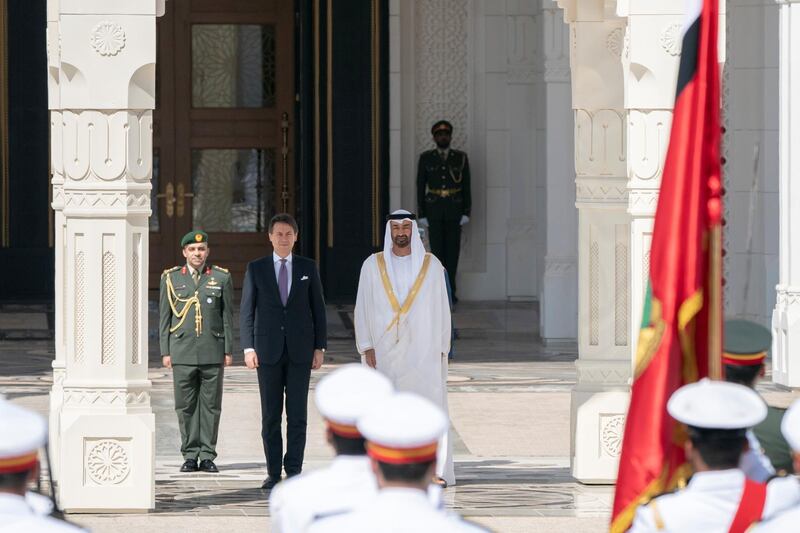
(679, 341)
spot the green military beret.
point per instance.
(194, 237)
(746, 343)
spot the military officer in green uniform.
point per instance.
(196, 337)
(745, 349)
(444, 199)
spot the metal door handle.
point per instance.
(181, 199)
(169, 195)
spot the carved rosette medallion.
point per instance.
(611, 430)
(671, 39)
(107, 463)
(107, 38)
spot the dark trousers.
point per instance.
(445, 239)
(198, 404)
(273, 382)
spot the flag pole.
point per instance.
(715, 303)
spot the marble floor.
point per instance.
(509, 405)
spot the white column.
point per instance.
(57, 168)
(650, 66)
(786, 317)
(559, 299)
(101, 103)
(600, 398)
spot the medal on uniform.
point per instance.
(209, 300)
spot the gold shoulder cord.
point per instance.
(460, 177)
(174, 299)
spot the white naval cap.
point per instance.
(346, 394)
(790, 426)
(405, 428)
(22, 433)
(711, 404)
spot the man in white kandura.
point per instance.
(402, 321)
(342, 397)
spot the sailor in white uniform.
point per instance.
(22, 433)
(342, 397)
(718, 498)
(788, 520)
(402, 438)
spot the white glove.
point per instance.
(423, 222)
(464, 219)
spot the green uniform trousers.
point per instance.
(445, 240)
(198, 404)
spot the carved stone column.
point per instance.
(600, 398)
(650, 60)
(101, 99)
(786, 316)
(559, 301)
(57, 169)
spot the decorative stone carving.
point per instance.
(600, 191)
(109, 308)
(671, 39)
(107, 463)
(107, 145)
(79, 290)
(612, 427)
(114, 199)
(648, 140)
(107, 38)
(104, 397)
(614, 42)
(643, 201)
(599, 142)
(442, 69)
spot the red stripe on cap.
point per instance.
(402, 456)
(21, 463)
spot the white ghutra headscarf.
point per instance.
(417, 248)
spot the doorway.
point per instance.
(222, 131)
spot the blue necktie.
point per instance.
(283, 282)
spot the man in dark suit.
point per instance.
(283, 330)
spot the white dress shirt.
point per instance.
(17, 516)
(709, 502)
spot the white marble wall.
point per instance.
(475, 63)
(750, 113)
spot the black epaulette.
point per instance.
(173, 269)
(217, 267)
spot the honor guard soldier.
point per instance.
(22, 434)
(744, 351)
(342, 397)
(788, 520)
(196, 338)
(402, 435)
(444, 198)
(718, 497)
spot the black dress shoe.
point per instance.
(270, 482)
(207, 465)
(189, 465)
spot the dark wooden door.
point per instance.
(223, 136)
